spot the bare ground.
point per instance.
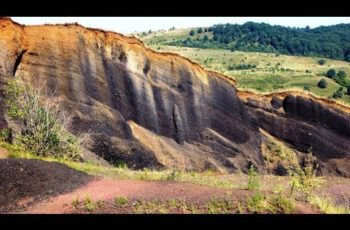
(34, 186)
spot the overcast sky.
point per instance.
(131, 24)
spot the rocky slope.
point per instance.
(306, 123)
(160, 109)
(139, 106)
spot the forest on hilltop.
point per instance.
(325, 41)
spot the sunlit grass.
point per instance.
(327, 206)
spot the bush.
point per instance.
(6, 135)
(191, 32)
(241, 67)
(307, 88)
(200, 30)
(338, 93)
(43, 128)
(348, 90)
(331, 73)
(253, 181)
(205, 38)
(321, 62)
(341, 74)
(304, 178)
(322, 84)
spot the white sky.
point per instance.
(131, 24)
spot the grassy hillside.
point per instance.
(265, 72)
(325, 41)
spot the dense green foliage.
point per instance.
(339, 77)
(241, 66)
(331, 73)
(339, 93)
(321, 62)
(322, 84)
(325, 41)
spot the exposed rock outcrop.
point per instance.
(306, 123)
(107, 80)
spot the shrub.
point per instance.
(121, 201)
(205, 38)
(322, 84)
(253, 181)
(200, 30)
(191, 32)
(257, 203)
(321, 62)
(331, 73)
(173, 175)
(241, 67)
(304, 178)
(338, 93)
(43, 126)
(282, 204)
(348, 90)
(6, 135)
(307, 88)
(341, 74)
(89, 204)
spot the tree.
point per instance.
(191, 32)
(341, 74)
(322, 84)
(200, 30)
(338, 93)
(331, 73)
(321, 62)
(206, 30)
(348, 91)
(187, 42)
(205, 38)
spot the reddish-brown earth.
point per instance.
(34, 186)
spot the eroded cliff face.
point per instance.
(161, 110)
(306, 123)
(138, 106)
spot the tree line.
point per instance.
(324, 41)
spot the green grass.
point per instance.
(327, 206)
(260, 203)
(121, 200)
(89, 204)
(206, 178)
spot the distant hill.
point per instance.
(325, 41)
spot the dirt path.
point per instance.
(108, 190)
(132, 189)
(34, 186)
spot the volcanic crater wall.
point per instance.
(161, 110)
(119, 91)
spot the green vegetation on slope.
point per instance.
(43, 127)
